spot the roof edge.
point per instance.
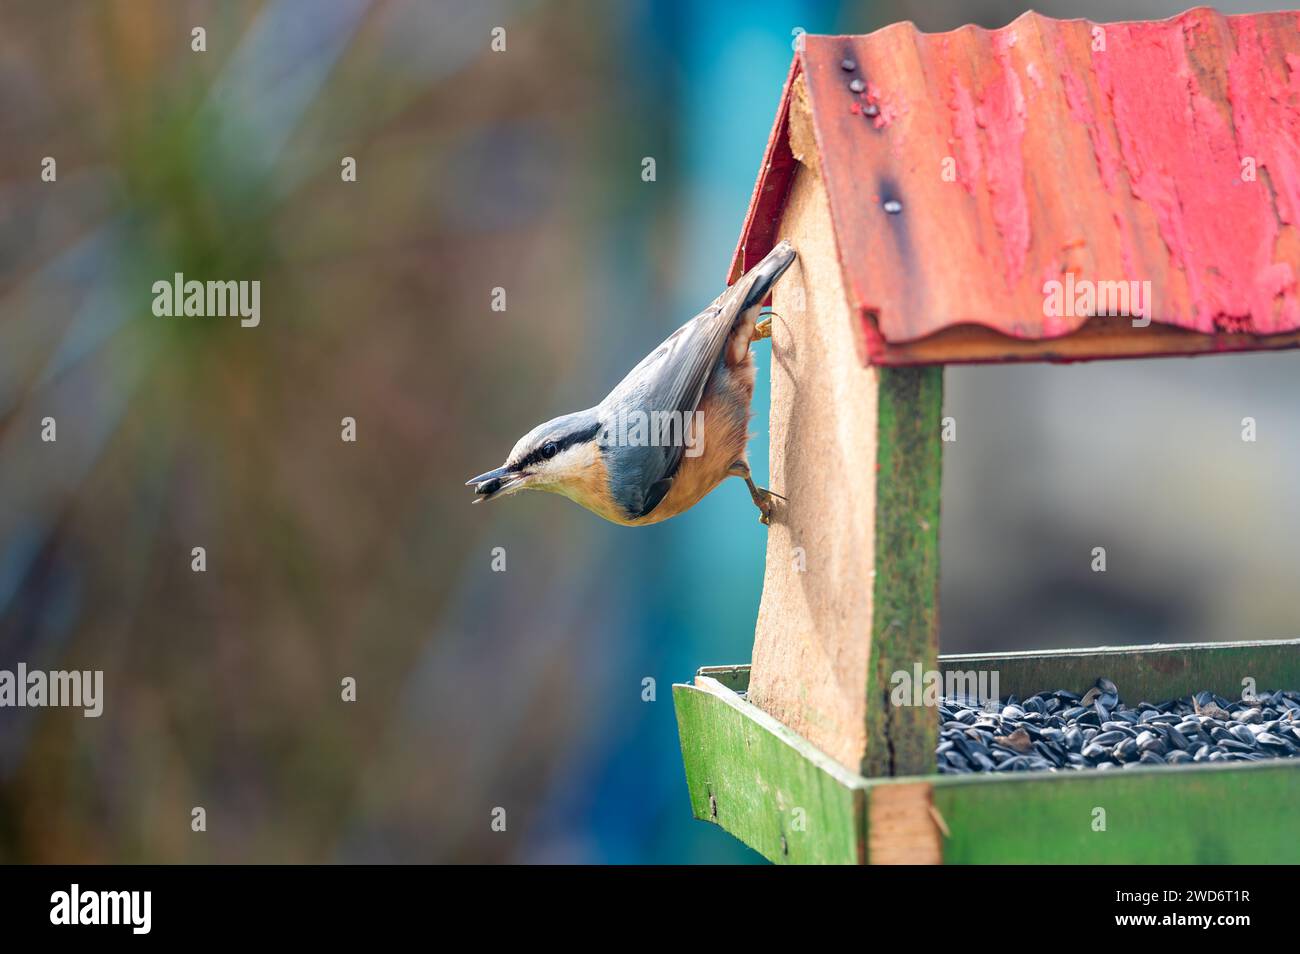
(772, 186)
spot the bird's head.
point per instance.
(562, 456)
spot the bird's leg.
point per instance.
(762, 497)
(763, 329)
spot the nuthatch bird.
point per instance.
(670, 432)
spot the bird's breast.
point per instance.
(723, 434)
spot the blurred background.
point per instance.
(476, 170)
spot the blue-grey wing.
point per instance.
(670, 379)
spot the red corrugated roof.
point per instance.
(1054, 150)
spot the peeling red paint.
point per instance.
(1126, 253)
(965, 133)
(1054, 325)
(1103, 150)
(1001, 115)
(888, 111)
(1138, 149)
(1266, 119)
(1181, 154)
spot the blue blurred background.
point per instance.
(477, 170)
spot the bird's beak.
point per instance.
(495, 483)
(764, 275)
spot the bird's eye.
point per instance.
(549, 450)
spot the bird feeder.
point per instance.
(1055, 190)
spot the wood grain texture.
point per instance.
(852, 555)
(901, 827)
(1051, 150)
(812, 640)
(1096, 339)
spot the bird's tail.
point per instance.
(758, 281)
(739, 304)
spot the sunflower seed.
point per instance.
(1059, 730)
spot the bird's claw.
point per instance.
(762, 497)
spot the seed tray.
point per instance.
(772, 789)
(1064, 730)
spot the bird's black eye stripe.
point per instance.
(551, 448)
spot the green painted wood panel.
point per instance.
(1233, 813)
(735, 678)
(763, 783)
(1142, 673)
(905, 627)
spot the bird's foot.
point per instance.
(764, 500)
(762, 329)
(762, 497)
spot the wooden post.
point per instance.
(905, 615)
(850, 591)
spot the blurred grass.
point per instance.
(325, 559)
